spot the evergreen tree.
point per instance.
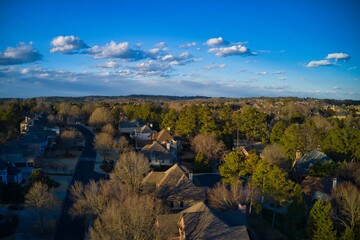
(320, 225)
(277, 132)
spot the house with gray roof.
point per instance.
(143, 133)
(304, 162)
(14, 154)
(158, 155)
(166, 139)
(128, 127)
(174, 188)
(203, 223)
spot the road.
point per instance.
(70, 228)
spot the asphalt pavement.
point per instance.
(68, 227)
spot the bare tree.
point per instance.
(64, 110)
(92, 198)
(226, 197)
(275, 154)
(208, 146)
(108, 128)
(41, 198)
(75, 111)
(347, 196)
(130, 169)
(134, 218)
(122, 145)
(100, 116)
(104, 143)
(68, 139)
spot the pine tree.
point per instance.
(320, 225)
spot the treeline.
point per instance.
(296, 125)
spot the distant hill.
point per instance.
(164, 98)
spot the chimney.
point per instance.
(334, 183)
(298, 154)
(191, 175)
(168, 130)
(168, 146)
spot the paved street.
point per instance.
(69, 228)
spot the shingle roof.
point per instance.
(163, 136)
(12, 147)
(175, 185)
(156, 148)
(201, 222)
(126, 124)
(304, 162)
(145, 129)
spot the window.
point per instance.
(181, 204)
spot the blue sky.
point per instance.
(212, 48)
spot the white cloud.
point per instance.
(279, 72)
(161, 45)
(338, 56)
(150, 68)
(262, 73)
(230, 51)
(188, 45)
(114, 50)
(181, 59)
(319, 63)
(214, 66)
(67, 44)
(283, 78)
(216, 41)
(22, 53)
(25, 70)
(109, 64)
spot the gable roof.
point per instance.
(304, 162)
(201, 222)
(173, 184)
(156, 148)
(127, 124)
(145, 129)
(163, 136)
(12, 147)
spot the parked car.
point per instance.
(16, 207)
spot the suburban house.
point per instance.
(158, 155)
(12, 153)
(174, 188)
(164, 138)
(201, 222)
(143, 133)
(9, 173)
(303, 163)
(128, 127)
(35, 138)
(315, 188)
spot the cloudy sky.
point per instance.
(302, 48)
